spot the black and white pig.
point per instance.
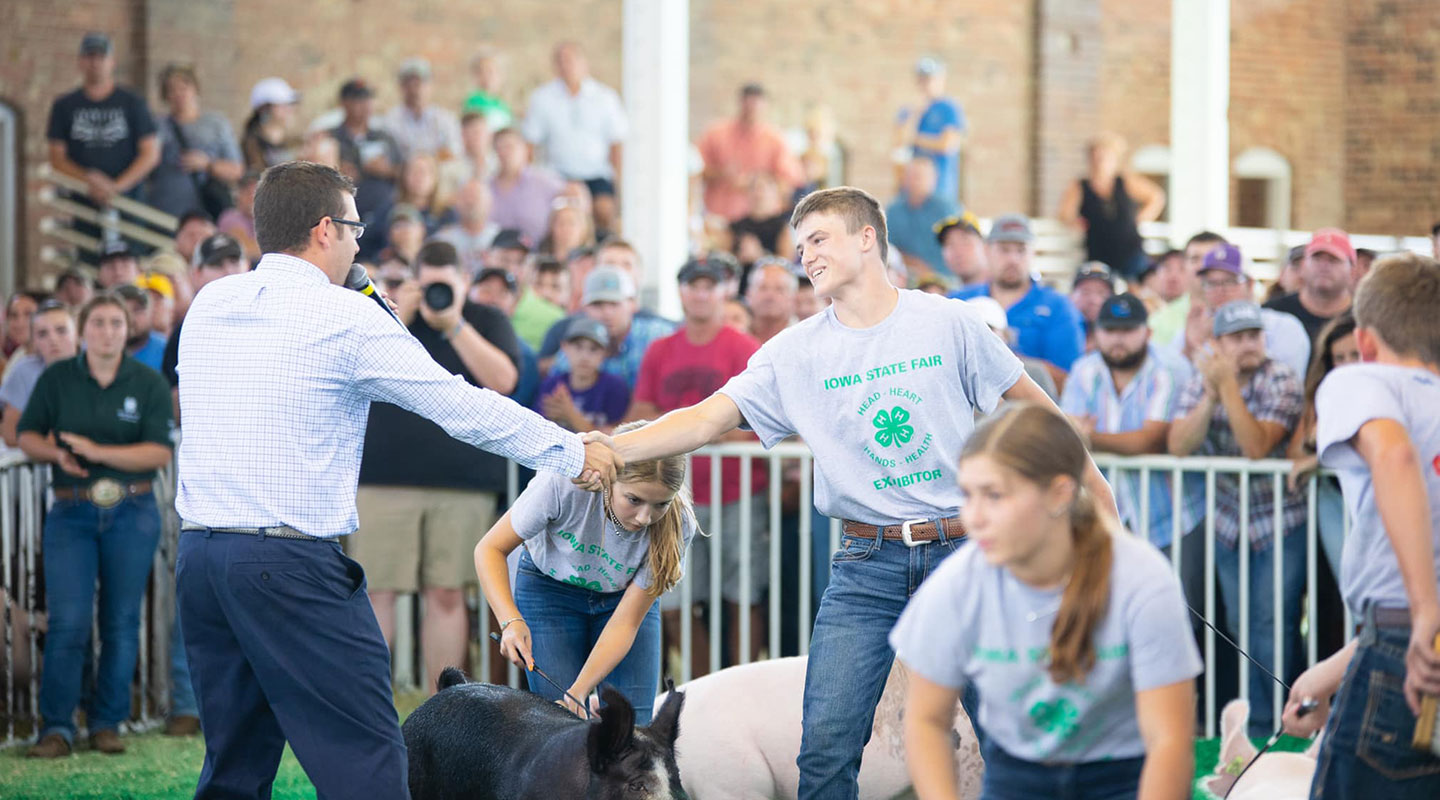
(478, 741)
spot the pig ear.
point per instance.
(1236, 749)
(613, 733)
(666, 725)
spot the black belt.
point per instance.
(1391, 617)
(278, 531)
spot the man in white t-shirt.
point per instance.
(581, 125)
(883, 386)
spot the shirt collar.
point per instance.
(290, 268)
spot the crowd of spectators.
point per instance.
(496, 230)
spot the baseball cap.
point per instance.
(117, 249)
(1226, 258)
(414, 68)
(1123, 311)
(218, 247)
(964, 221)
(157, 283)
(991, 312)
(928, 66)
(95, 44)
(607, 285)
(272, 92)
(498, 272)
(702, 267)
(1333, 241)
(510, 239)
(1239, 315)
(1011, 228)
(133, 293)
(583, 327)
(752, 89)
(1094, 271)
(1296, 254)
(356, 89)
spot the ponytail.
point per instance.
(1083, 604)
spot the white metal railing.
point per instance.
(24, 495)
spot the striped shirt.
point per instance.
(277, 371)
(1149, 397)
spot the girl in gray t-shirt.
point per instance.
(583, 605)
(1075, 636)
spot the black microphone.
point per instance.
(359, 280)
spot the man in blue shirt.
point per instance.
(1122, 398)
(934, 129)
(1046, 323)
(912, 217)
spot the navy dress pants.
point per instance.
(283, 646)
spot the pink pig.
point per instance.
(1276, 776)
(740, 734)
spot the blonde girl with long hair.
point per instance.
(593, 564)
(1075, 634)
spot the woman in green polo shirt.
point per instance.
(103, 419)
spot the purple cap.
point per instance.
(1225, 257)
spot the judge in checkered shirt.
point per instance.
(277, 370)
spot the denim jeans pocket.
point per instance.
(853, 548)
(1386, 732)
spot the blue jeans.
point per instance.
(1366, 751)
(83, 542)
(1263, 614)
(1011, 778)
(871, 580)
(565, 622)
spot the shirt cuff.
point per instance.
(574, 456)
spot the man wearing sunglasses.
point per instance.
(278, 368)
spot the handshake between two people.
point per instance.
(602, 462)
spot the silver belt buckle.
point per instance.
(905, 534)
(106, 493)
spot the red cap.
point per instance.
(1333, 241)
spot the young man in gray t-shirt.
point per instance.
(883, 386)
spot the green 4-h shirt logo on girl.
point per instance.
(892, 426)
(1059, 717)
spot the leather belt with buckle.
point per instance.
(277, 531)
(105, 493)
(912, 532)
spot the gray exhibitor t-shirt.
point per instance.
(972, 622)
(885, 409)
(1348, 398)
(571, 538)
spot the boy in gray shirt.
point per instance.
(1379, 428)
(883, 386)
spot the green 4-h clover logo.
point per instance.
(1057, 717)
(576, 580)
(892, 427)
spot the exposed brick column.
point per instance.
(1067, 95)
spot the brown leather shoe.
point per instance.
(182, 726)
(107, 741)
(52, 746)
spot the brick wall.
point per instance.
(1392, 114)
(1346, 91)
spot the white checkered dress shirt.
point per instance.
(277, 370)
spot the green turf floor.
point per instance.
(158, 766)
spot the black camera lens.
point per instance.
(439, 296)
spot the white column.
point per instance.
(1199, 117)
(653, 194)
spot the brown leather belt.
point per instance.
(104, 493)
(912, 532)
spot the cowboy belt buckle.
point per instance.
(106, 492)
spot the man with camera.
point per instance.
(424, 497)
